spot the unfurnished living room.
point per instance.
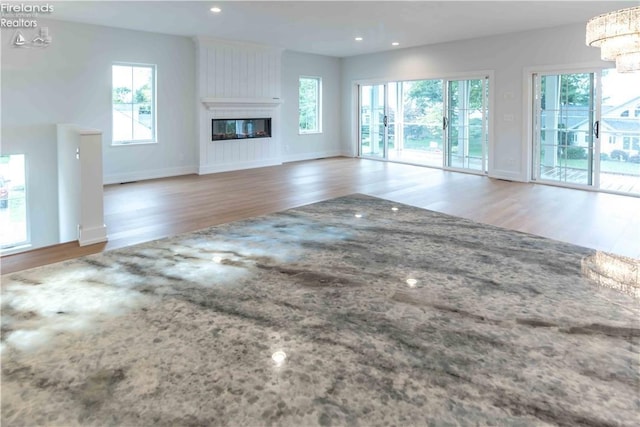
(334, 213)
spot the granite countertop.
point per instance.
(387, 314)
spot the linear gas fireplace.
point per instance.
(223, 129)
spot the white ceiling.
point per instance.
(329, 27)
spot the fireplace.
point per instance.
(224, 129)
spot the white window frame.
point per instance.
(154, 110)
(318, 103)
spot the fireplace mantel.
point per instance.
(240, 103)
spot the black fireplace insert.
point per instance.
(223, 129)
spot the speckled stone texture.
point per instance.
(496, 328)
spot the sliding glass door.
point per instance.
(587, 130)
(418, 107)
(373, 121)
(467, 124)
(565, 118)
(619, 132)
(407, 122)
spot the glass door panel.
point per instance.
(372, 121)
(620, 132)
(417, 117)
(394, 121)
(467, 130)
(565, 117)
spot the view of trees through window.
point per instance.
(572, 108)
(423, 115)
(133, 103)
(415, 113)
(310, 105)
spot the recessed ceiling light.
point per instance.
(358, 39)
(215, 9)
(395, 44)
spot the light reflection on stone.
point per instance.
(279, 357)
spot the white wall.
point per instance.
(311, 146)
(70, 82)
(507, 56)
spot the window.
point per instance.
(310, 104)
(626, 143)
(133, 103)
(13, 207)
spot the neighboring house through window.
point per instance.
(310, 105)
(133, 103)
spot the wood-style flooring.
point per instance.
(146, 210)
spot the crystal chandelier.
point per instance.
(617, 34)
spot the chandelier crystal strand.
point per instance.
(618, 35)
(628, 62)
(612, 48)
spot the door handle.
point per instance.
(385, 121)
(444, 123)
(596, 128)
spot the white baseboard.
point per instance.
(507, 175)
(149, 174)
(310, 156)
(349, 154)
(89, 236)
(227, 167)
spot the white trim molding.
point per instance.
(142, 175)
(90, 236)
(506, 175)
(312, 156)
(240, 103)
(207, 169)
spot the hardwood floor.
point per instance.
(147, 210)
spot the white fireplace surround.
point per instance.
(241, 81)
(240, 103)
